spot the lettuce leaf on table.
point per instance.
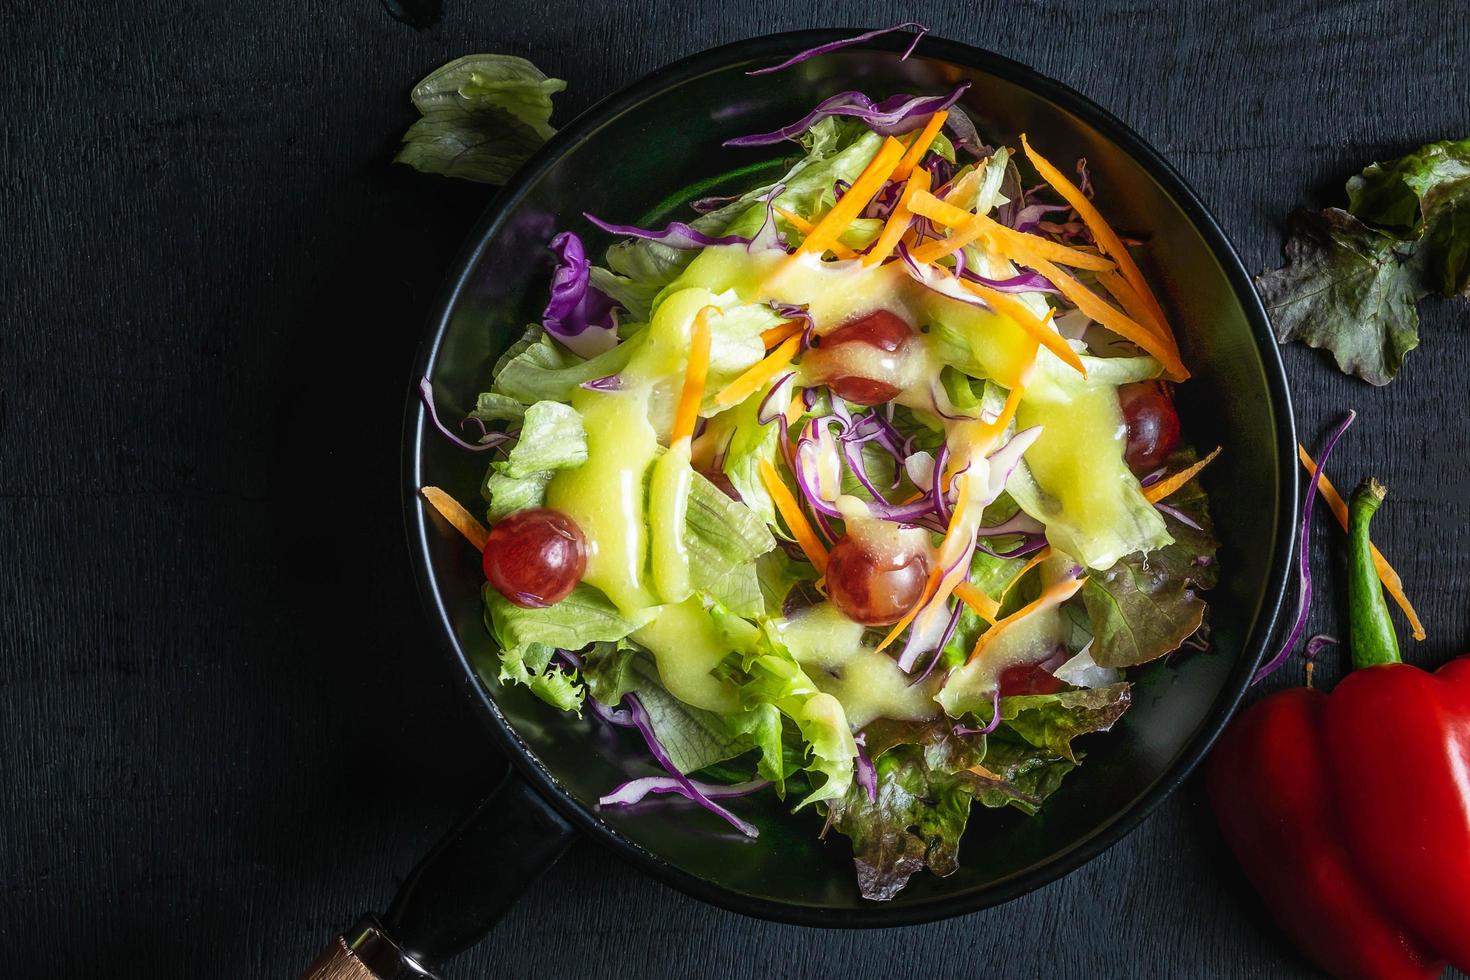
(1352, 278)
(483, 116)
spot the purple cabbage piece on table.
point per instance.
(1304, 594)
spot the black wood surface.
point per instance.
(223, 732)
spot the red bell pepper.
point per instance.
(1350, 812)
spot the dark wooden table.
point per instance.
(224, 732)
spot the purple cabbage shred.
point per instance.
(578, 315)
(919, 31)
(1304, 592)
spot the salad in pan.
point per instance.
(862, 488)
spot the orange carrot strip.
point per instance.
(1035, 560)
(1053, 596)
(796, 521)
(1133, 305)
(966, 226)
(920, 145)
(1010, 307)
(795, 410)
(686, 414)
(1390, 578)
(935, 577)
(1169, 484)
(452, 511)
(770, 338)
(973, 596)
(1105, 237)
(805, 227)
(898, 221)
(758, 374)
(1096, 308)
(862, 191)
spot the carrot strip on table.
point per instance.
(920, 145)
(686, 414)
(796, 521)
(1392, 584)
(453, 511)
(1169, 484)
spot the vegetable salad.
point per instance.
(861, 488)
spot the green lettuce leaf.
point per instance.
(762, 726)
(694, 738)
(1051, 721)
(1015, 773)
(768, 675)
(1145, 606)
(1349, 290)
(916, 821)
(724, 540)
(1426, 196)
(607, 670)
(528, 637)
(638, 270)
(538, 369)
(483, 116)
(751, 443)
(1352, 278)
(552, 438)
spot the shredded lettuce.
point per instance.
(538, 369)
(724, 540)
(527, 638)
(552, 438)
(771, 676)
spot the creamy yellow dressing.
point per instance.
(867, 683)
(605, 495)
(608, 496)
(686, 646)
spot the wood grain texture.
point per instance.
(338, 962)
(224, 733)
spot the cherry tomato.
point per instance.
(535, 557)
(1028, 679)
(888, 336)
(1153, 424)
(875, 590)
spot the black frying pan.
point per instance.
(621, 160)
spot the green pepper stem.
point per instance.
(1370, 631)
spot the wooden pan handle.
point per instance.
(457, 892)
(365, 952)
